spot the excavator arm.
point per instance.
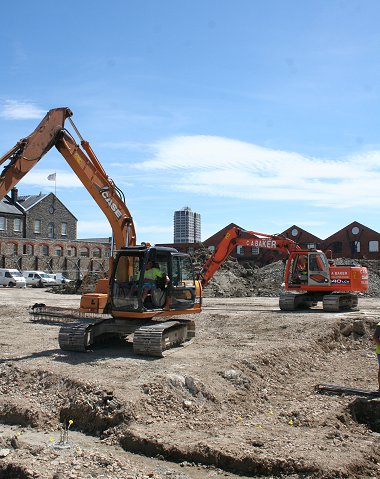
(238, 237)
(83, 161)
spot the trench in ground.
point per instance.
(97, 413)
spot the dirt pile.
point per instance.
(237, 280)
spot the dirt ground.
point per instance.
(238, 401)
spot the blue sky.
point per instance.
(261, 113)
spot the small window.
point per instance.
(240, 250)
(373, 246)
(84, 252)
(44, 250)
(294, 232)
(337, 247)
(27, 249)
(71, 251)
(64, 229)
(58, 251)
(37, 226)
(255, 251)
(13, 248)
(50, 230)
(355, 230)
(17, 224)
(3, 223)
(355, 247)
(97, 253)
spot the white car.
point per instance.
(59, 278)
(38, 279)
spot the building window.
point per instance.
(96, 253)
(355, 230)
(373, 246)
(44, 250)
(71, 251)
(294, 232)
(27, 249)
(64, 229)
(84, 252)
(12, 248)
(50, 230)
(17, 224)
(37, 226)
(355, 247)
(58, 251)
(240, 250)
(337, 247)
(3, 223)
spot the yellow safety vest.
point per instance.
(153, 273)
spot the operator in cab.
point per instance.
(152, 274)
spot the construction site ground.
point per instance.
(239, 401)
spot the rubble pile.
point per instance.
(234, 279)
(241, 280)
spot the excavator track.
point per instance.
(80, 331)
(154, 339)
(292, 301)
(75, 337)
(340, 302)
(333, 302)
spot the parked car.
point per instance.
(12, 278)
(59, 278)
(38, 279)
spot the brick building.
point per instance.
(37, 232)
(355, 241)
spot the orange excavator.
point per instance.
(309, 277)
(120, 306)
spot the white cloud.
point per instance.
(90, 229)
(20, 110)
(222, 167)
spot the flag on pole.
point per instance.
(52, 177)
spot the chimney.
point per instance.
(14, 195)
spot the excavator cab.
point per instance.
(307, 268)
(174, 284)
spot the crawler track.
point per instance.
(154, 339)
(80, 331)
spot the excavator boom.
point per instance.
(28, 151)
(236, 236)
(51, 132)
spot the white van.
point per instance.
(38, 279)
(12, 278)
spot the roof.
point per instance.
(6, 206)
(28, 202)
